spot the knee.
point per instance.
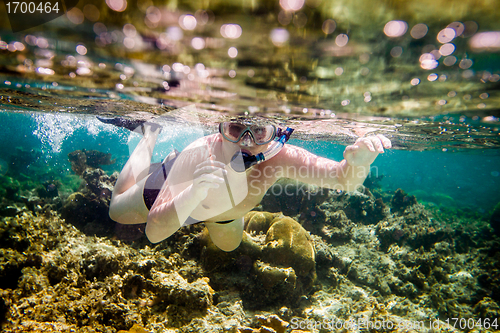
(228, 244)
(124, 215)
(226, 237)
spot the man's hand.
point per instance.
(365, 150)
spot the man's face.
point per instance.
(247, 145)
(251, 139)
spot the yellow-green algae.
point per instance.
(401, 265)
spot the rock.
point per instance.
(274, 322)
(242, 258)
(269, 324)
(272, 276)
(338, 227)
(288, 244)
(135, 329)
(171, 288)
(276, 252)
(495, 219)
(258, 222)
(80, 160)
(487, 308)
(293, 198)
(87, 214)
(48, 189)
(88, 209)
(400, 201)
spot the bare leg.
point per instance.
(137, 166)
(226, 236)
(127, 203)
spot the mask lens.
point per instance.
(233, 131)
(263, 134)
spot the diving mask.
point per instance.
(234, 131)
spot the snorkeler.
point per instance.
(218, 178)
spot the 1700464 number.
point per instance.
(16, 7)
(471, 323)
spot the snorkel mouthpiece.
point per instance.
(284, 134)
(275, 147)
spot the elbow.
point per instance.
(153, 238)
(158, 229)
(152, 234)
(113, 214)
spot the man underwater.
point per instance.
(218, 178)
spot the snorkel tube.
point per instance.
(275, 147)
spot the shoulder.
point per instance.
(199, 150)
(289, 155)
(293, 153)
(204, 141)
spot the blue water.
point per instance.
(467, 178)
(470, 177)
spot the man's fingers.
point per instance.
(211, 162)
(369, 144)
(378, 144)
(385, 141)
(209, 171)
(209, 178)
(375, 143)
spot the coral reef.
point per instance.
(293, 198)
(288, 244)
(83, 159)
(88, 208)
(358, 256)
(276, 255)
(54, 273)
(400, 201)
(29, 184)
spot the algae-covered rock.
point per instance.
(48, 189)
(495, 219)
(88, 208)
(276, 255)
(293, 198)
(135, 329)
(487, 308)
(273, 322)
(90, 216)
(288, 244)
(338, 227)
(275, 277)
(343, 210)
(172, 288)
(242, 258)
(258, 222)
(82, 159)
(57, 274)
(400, 201)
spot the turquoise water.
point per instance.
(462, 179)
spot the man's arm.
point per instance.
(346, 175)
(194, 172)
